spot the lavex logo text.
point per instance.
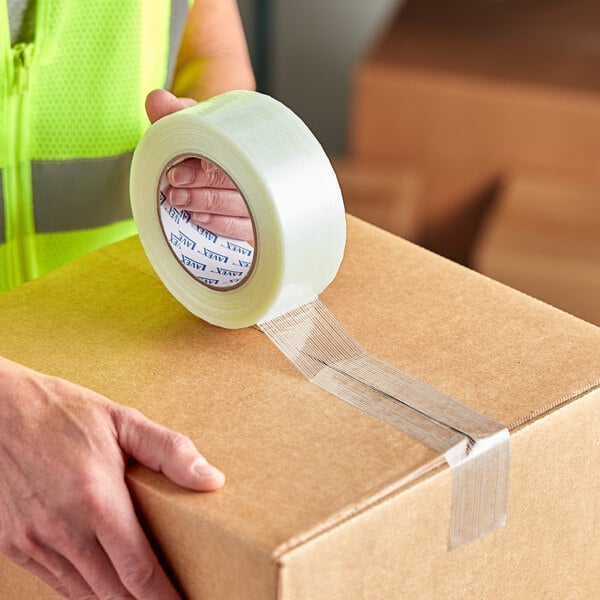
(246, 264)
(187, 241)
(237, 248)
(214, 255)
(209, 235)
(175, 240)
(193, 264)
(228, 272)
(208, 280)
(177, 216)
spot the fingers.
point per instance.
(132, 557)
(200, 187)
(208, 200)
(167, 451)
(60, 494)
(160, 103)
(197, 173)
(233, 227)
(53, 568)
(118, 564)
(113, 559)
(96, 571)
(211, 198)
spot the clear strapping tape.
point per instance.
(297, 211)
(476, 447)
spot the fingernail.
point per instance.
(179, 197)
(206, 472)
(180, 175)
(201, 217)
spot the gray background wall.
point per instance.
(304, 50)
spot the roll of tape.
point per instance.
(291, 192)
(299, 231)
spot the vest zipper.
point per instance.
(18, 209)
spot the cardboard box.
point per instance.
(467, 91)
(543, 238)
(387, 196)
(323, 501)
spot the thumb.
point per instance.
(164, 450)
(160, 103)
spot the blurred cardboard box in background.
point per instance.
(542, 237)
(468, 90)
(387, 196)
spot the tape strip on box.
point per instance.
(298, 217)
(476, 447)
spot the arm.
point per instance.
(213, 58)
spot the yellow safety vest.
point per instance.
(71, 113)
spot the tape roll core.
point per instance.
(288, 184)
(185, 238)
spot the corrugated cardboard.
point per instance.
(387, 196)
(468, 90)
(323, 501)
(543, 238)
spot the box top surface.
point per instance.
(541, 42)
(298, 460)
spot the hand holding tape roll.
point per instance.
(298, 218)
(292, 194)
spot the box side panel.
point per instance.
(548, 549)
(203, 558)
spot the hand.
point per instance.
(200, 187)
(65, 511)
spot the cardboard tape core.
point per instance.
(216, 261)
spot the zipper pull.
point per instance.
(22, 55)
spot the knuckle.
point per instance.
(228, 227)
(22, 543)
(90, 499)
(63, 536)
(138, 575)
(127, 419)
(214, 177)
(62, 590)
(211, 200)
(177, 443)
(128, 415)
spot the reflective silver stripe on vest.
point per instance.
(90, 192)
(81, 193)
(2, 235)
(179, 11)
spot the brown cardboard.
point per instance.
(543, 238)
(469, 90)
(387, 196)
(323, 501)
